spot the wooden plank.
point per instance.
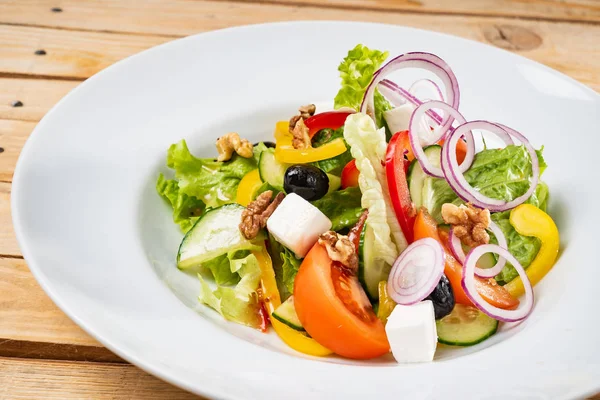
(39, 12)
(13, 135)
(28, 379)
(28, 315)
(8, 241)
(37, 96)
(571, 48)
(554, 10)
(68, 55)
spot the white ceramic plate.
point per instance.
(102, 244)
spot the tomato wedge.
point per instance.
(425, 226)
(350, 175)
(334, 309)
(398, 187)
(330, 119)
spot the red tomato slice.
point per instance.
(350, 175)
(334, 309)
(330, 119)
(425, 226)
(398, 187)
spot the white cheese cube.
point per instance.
(398, 120)
(412, 333)
(297, 224)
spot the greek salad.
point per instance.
(389, 224)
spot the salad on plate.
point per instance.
(390, 223)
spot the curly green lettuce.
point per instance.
(186, 209)
(237, 276)
(356, 71)
(368, 147)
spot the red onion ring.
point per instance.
(454, 174)
(416, 272)
(415, 143)
(459, 254)
(399, 96)
(427, 61)
(431, 84)
(468, 284)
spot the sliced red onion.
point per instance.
(399, 96)
(430, 85)
(454, 173)
(415, 140)
(427, 61)
(416, 272)
(468, 284)
(458, 252)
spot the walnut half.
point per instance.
(468, 222)
(340, 248)
(231, 142)
(255, 216)
(298, 128)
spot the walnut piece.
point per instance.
(255, 216)
(231, 142)
(299, 130)
(340, 248)
(468, 222)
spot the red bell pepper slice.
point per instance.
(326, 120)
(349, 176)
(398, 187)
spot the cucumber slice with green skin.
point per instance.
(214, 234)
(371, 270)
(286, 313)
(271, 170)
(416, 177)
(465, 326)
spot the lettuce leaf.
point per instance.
(186, 209)
(285, 265)
(213, 182)
(238, 301)
(502, 174)
(336, 164)
(368, 147)
(356, 71)
(342, 207)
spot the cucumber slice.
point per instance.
(416, 176)
(371, 270)
(214, 234)
(465, 326)
(334, 183)
(286, 313)
(271, 170)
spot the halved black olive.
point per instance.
(307, 181)
(442, 298)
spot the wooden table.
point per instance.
(47, 47)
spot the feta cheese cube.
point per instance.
(412, 333)
(297, 224)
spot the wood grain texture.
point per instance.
(37, 96)
(8, 241)
(29, 379)
(38, 12)
(13, 135)
(28, 315)
(553, 10)
(570, 48)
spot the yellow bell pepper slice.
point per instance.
(529, 220)
(247, 187)
(386, 304)
(286, 153)
(293, 338)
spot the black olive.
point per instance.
(268, 144)
(442, 298)
(307, 181)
